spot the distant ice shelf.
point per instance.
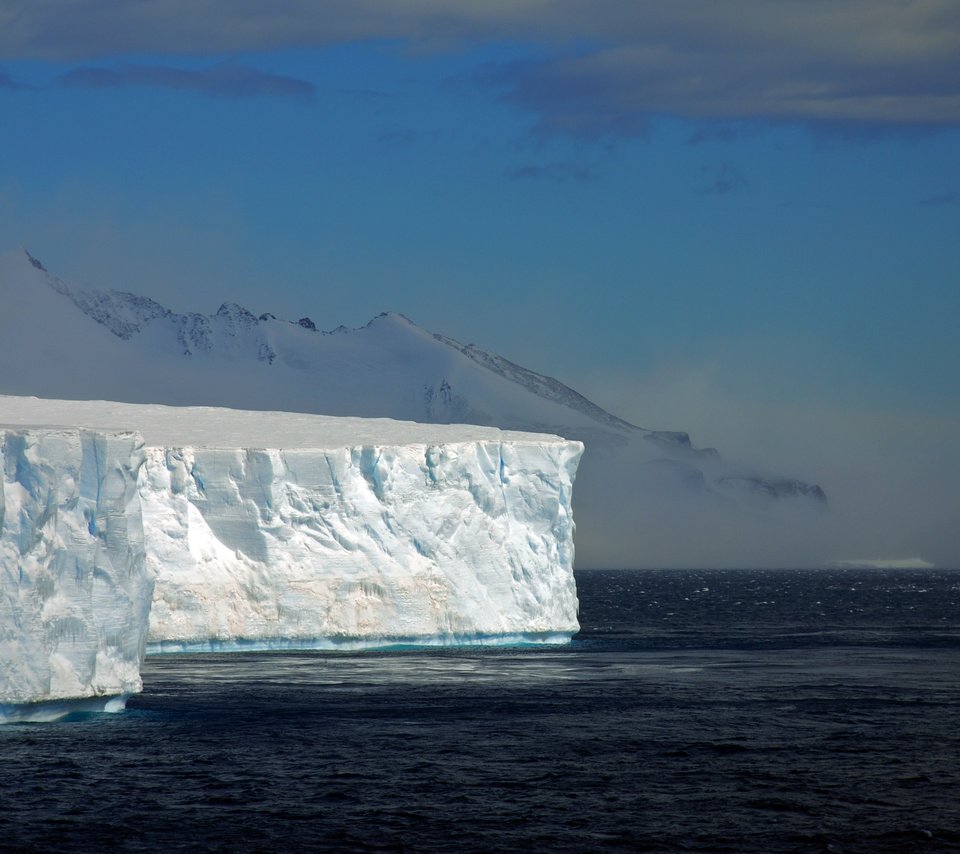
(268, 530)
(882, 563)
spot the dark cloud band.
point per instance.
(224, 81)
(870, 62)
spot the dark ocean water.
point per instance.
(737, 711)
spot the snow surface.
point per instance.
(640, 493)
(74, 589)
(274, 529)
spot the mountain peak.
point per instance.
(34, 262)
(393, 317)
(20, 259)
(237, 312)
(23, 271)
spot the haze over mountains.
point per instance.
(642, 497)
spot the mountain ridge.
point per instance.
(389, 367)
(112, 309)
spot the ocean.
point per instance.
(718, 711)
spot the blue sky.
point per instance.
(687, 210)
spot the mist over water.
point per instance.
(747, 711)
(890, 469)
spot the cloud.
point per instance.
(579, 106)
(223, 81)
(884, 63)
(728, 179)
(560, 171)
(614, 91)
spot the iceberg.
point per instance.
(286, 530)
(75, 591)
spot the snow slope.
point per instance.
(641, 494)
(74, 589)
(273, 529)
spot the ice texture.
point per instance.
(272, 529)
(75, 592)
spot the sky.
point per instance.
(739, 219)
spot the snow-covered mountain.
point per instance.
(643, 497)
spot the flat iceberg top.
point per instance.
(216, 427)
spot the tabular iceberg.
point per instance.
(74, 589)
(287, 530)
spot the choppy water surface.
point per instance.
(696, 711)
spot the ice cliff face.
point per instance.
(441, 543)
(74, 589)
(285, 530)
